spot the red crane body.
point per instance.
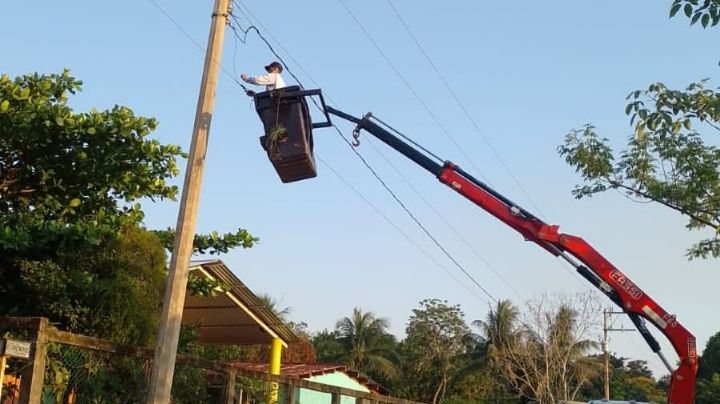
(631, 298)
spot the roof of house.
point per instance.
(307, 370)
(235, 316)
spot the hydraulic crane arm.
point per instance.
(581, 255)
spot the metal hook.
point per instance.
(356, 131)
(356, 136)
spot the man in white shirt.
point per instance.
(272, 80)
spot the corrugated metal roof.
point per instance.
(234, 317)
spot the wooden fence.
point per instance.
(48, 376)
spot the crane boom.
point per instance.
(581, 255)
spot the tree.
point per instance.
(548, 361)
(630, 379)
(710, 358)
(327, 346)
(666, 160)
(707, 11)
(500, 332)
(273, 305)
(708, 390)
(366, 345)
(500, 327)
(435, 342)
(72, 244)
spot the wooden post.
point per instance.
(229, 387)
(33, 376)
(164, 362)
(335, 398)
(291, 392)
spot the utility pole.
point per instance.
(607, 328)
(166, 350)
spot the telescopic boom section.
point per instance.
(592, 265)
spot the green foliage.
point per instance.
(273, 305)
(113, 290)
(433, 348)
(366, 345)
(665, 161)
(72, 246)
(708, 390)
(69, 175)
(710, 359)
(213, 243)
(705, 11)
(629, 380)
(327, 346)
(499, 331)
(276, 134)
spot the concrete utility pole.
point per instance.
(606, 341)
(167, 341)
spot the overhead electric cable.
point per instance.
(240, 5)
(448, 224)
(463, 108)
(365, 162)
(414, 218)
(412, 90)
(398, 229)
(378, 178)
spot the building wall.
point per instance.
(338, 379)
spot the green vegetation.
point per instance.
(72, 243)
(543, 353)
(671, 158)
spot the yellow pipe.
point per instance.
(275, 360)
(275, 356)
(3, 364)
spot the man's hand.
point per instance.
(244, 77)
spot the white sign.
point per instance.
(16, 349)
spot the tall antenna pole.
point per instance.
(167, 341)
(605, 345)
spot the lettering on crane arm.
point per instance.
(671, 319)
(626, 284)
(692, 350)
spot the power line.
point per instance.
(447, 223)
(412, 89)
(267, 43)
(407, 211)
(397, 228)
(435, 210)
(243, 38)
(240, 5)
(376, 175)
(193, 40)
(463, 108)
(414, 218)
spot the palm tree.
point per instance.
(570, 352)
(273, 305)
(366, 344)
(500, 327)
(499, 332)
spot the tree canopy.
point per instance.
(671, 158)
(72, 242)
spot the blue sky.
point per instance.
(527, 72)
